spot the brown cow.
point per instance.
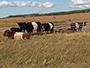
(16, 35)
(72, 28)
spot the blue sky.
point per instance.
(18, 7)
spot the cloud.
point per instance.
(80, 3)
(24, 3)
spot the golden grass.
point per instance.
(58, 50)
(47, 51)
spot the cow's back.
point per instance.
(22, 25)
(50, 25)
(35, 25)
(18, 35)
(15, 29)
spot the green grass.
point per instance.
(47, 51)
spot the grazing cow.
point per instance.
(15, 29)
(16, 35)
(30, 26)
(48, 27)
(78, 25)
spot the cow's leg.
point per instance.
(29, 32)
(39, 31)
(52, 30)
(47, 31)
(80, 28)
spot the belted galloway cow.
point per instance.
(30, 26)
(48, 27)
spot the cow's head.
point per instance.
(85, 23)
(43, 26)
(22, 25)
(6, 33)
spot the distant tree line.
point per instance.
(53, 13)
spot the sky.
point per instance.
(20, 7)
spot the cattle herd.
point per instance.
(19, 33)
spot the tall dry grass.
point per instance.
(46, 51)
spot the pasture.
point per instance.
(57, 50)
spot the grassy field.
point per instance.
(78, 16)
(46, 51)
(57, 50)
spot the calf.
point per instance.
(16, 35)
(72, 28)
(48, 27)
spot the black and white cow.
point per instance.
(78, 25)
(81, 24)
(48, 27)
(15, 29)
(30, 26)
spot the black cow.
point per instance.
(30, 26)
(15, 29)
(48, 27)
(78, 25)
